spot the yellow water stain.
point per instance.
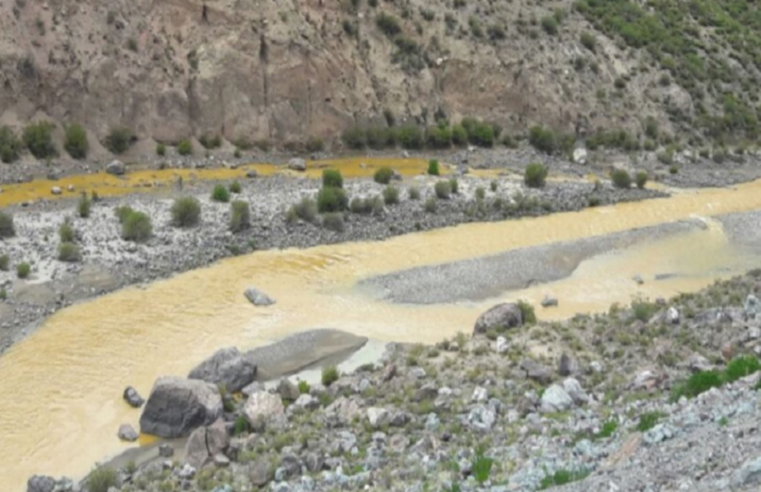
(360, 167)
(64, 382)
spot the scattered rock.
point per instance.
(297, 164)
(262, 407)
(166, 451)
(536, 371)
(580, 156)
(555, 399)
(307, 402)
(638, 279)
(482, 418)
(672, 316)
(751, 306)
(261, 473)
(748, 474)
(116, 168)
(575, 391)
(378, 417)
(567, 365)
(228, 368)
(502, 345)
(287, 390)
(499, 317)
(40, 483)
(196, 453)
(55, 190)
(177, 406)
(132, 397)
(257, 297)
(549, 301)
(127, 433)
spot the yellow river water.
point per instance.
(61, 387)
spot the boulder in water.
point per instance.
(40, 483)
(177, 406)
(117, 168)
(297, 164)
(501, 316)
(132, 397)
(228, 368)
(127, 433)
(257, 297)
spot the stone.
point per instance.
(389, 372)
(645, 380)
(257, 297)
(398, 443)
(482, 418)
(116, 168)
(166, 451)
(260, 473)
(698, 363)
(502, 316)
(196, 452)
(217, 438)
(549, 301)
(672, 316)
(427, 392)
(417, 373)
(287, 390)
(262, 407)
(638, 279)
(575, 391)
(751, 306)
(595, 367)
(432, 422)
(252, 388)
(55, 190)
(378, 417)
(555, 399)
(228, 368)
(70, 187)
(314, 462)
(749, 474)
(187, 472)
(658, 434)
(132, 397)
(177, 406)
(342, 411)
(580, 155)
(536, 371)
(127, 433)
(479, 394)
(567, 365)
(297, 164)
(307, 402)
(252, 174)
(40, 483)
(502, 345)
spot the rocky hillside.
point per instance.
(286, 71)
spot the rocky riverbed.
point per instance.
(654, 396)
(109, 262)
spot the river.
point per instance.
(62, 386)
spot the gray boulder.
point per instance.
(177, 406)
(297, 164)
(555, 399)
(132, 397)
(228, 368)
(536, 371)
(287, 390)
(501, 316)
(260, 473)
(40, 483)
(482, 418)
(117, 168)
(262, 407)
(196, 453)
(751, 306)
(257, 297)
(127, 433)
(567, 365)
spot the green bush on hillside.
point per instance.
(332, 200)
(75, 141)
(220, 194)
(535, 175)
(332, 177)
(433, 167)
(443, 190)
(119, 140)
(136, 227)
(69, 253)
(6, 226)
(621, 179)
(185, 147)
(383, 175)
(10, 145)
(186, 212)
(38, 138)
(240, 216)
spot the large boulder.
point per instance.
(40, 483)
(206, 443)
(500, 317)
(257, 297)
(555, 399)
(177, 406)
(127, 433)
(297, 164)
(228, 368)
(262, 407)
(117, 168)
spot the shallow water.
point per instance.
(62, 386)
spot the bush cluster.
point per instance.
(38, 138)
(305, 210)
(333, 178)
(6, 225)
(535, 175)
(621, 179)
(69, 252)
(75, 141)
(383, 175)
(240, 216)
(330, 199)
(136, 226)
(220, 194)
(186, 212)
(119, 140)
(10, 145)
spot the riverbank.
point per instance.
(110, 263)
(615, 400)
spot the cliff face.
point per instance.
(288, 69)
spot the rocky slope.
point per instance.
(286, 71)
(642, 398)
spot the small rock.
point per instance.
(659, 433)
(638, 279)
(748, 474)
(536, 371)
(672, 315)
(132, 397)
(297, 164)
(187, 472)
(502, 316)
(287, 390)
(502, 345)
(479, 394)
(260, 473)
(307, 402)
(555, 399)
(580, 156)
(251, 174)
(549, 301)
(166, 451)
(127, 433)
(567, 365)
(257, 297)
(482, 418)
(70, 188)
(40, 483)
(417, 373)
(432, 422)
(751, 306)
(116, 168)
(575, 391)
(378, 417)
(55, 190)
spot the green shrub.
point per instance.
(75, 141)
(329, 375)
(160, 149)
(588, 41)
(480, 193)
(380, 137)
(648, 420)
(550, 25)
(698, 383)
(332, 200)
(641, 179)
(220, 194)
(241, 426)
(482, 134)
(430, 205)
(66, 233)
(439, 137)
(69, 252)
(674, 169)
(137, 227)
(240, 216)
(122, 213)
(4, 262)
(235, 187)
(643, 310)
(101, 479)
(527, 312)
(608, 429)
(38, 138)
(383, 175)
(741, 367)
(333, 221)
(23, 270)
(414, 193)
(210, 142)
(360, 206)
(305, 210)
(443, 190)
(303, 387)
(10, 145)
(535, 175)
(494, 185)
(186, 212)
(119, 140)
(6, 225)
(481, 467)
(509, 142)
(621, 179)
(562, 477)
(332, 177)
(459, 135)
(410, 137)
(391, 195)
(354, 138)
(388, 24)
(185, 147)
(3, 294)
(543, 139)
(454, 186)
(84, 206)
(433, 167)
